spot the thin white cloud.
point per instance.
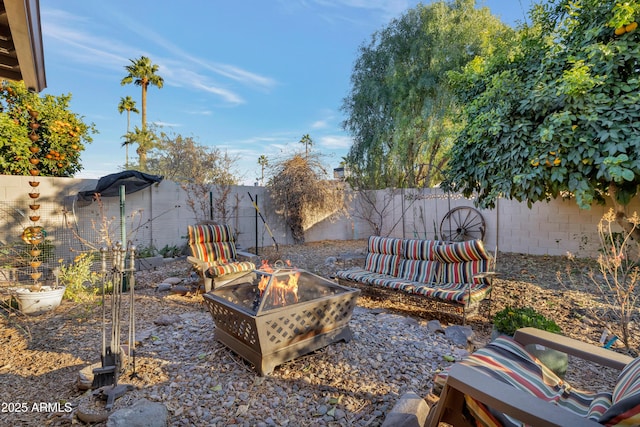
(72, 41)
(319, 124)
(166, 124)
(351, 11)
(226, 70)
(385, 7)
(335, 142)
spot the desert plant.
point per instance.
(170, 251)
(78, 278)
(146, 251)
(510, 319)
(619, 271)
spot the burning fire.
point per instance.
(280, 289)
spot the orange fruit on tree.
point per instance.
(631, 27)
(620, 31)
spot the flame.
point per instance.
(281, 290)
(266, 267)
(262, 285)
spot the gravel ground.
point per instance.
(201, 382)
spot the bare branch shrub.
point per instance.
(375, 206)
(619, 271)
(302, 194)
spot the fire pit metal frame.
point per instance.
(268, 339)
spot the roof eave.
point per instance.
(26, 31)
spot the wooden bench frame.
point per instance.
(465, 380)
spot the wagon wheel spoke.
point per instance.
(462, 223)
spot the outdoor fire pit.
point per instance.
(270, 316)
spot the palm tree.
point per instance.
(146, 140)
(263, 161)
(308, 142)
(142, 73)
(129, 105)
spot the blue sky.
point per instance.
(247, 76)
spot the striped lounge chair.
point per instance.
(214, 254)
(504, 385)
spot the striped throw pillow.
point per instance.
(385, 245)
(625, 410)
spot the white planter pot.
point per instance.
(39, 302)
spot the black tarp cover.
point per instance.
(109, 186)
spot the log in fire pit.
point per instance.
(270, 316)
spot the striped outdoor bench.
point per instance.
(458, 273)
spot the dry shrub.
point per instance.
(301, 193)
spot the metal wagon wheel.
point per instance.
(462, 223)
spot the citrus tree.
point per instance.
(556, 112)
(39, 135)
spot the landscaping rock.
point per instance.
(163, 287)
(143, 413)
(410, 411)
(460, 335)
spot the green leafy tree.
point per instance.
(205, 173)
(143, 73)
(400, 110)
(129, 105)
(183, 159)
(556, 112)
(40, 135)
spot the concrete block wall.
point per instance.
(159, 216)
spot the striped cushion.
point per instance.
(209, 233)
(626, 398)
(361, 275)
(419, 271)
(212, 243)
(215, 245)
(382, 263)
(232, 267)
(224, 252)
(455, 292)
(397, 284)
(420, 249)
(385, 245)
(461, 272)
(470, 250)
(355, 274)
(507, 361)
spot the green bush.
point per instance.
(170, 251)
(510, 319)
(78, 278)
